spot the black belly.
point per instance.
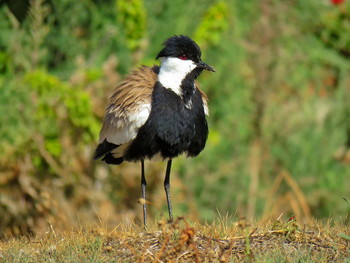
(171, 129)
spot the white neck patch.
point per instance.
(173, 71)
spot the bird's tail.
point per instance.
(104, 150)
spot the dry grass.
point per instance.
(184, 242)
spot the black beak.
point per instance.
(203, 65)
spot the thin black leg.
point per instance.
(143, 192)
(167, 189)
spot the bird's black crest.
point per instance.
(177, 46)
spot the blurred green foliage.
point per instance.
(132, 16)
(279, 119)
(213, 24)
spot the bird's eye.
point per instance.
(183, 57)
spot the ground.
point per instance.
(182, 241)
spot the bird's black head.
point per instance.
(181, 47)
(184, 48)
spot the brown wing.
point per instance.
(204, 98)
(129, 106)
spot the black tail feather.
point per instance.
(110, 159)
(104, 148)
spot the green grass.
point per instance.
(181, 241)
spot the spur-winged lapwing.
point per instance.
(158, 111)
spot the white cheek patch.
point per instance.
(173, 71)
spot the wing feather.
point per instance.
(204, 99)
(129, 106)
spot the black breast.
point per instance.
(172, 127)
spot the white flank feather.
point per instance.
(206, 110)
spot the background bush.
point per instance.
(279, 110)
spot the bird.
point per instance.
(158, 112)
